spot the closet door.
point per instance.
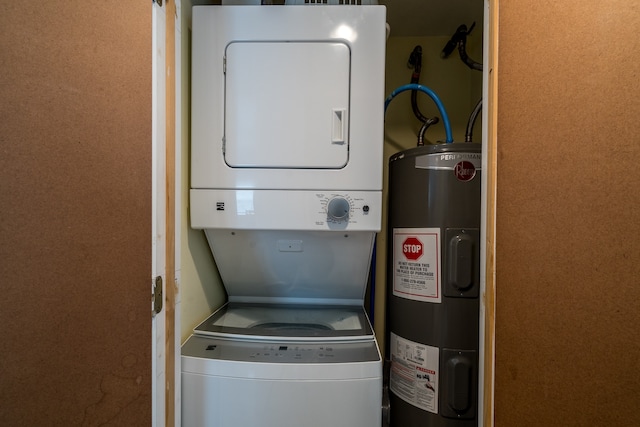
(568, 214)
(75, 213)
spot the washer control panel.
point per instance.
(280, 352)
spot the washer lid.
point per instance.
(288, 322)
(287, 104)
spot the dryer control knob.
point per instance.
(338, 209)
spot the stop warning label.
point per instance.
(412, 248)
(416, 264)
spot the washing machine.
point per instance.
(286, 182)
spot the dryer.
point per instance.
(286, 181)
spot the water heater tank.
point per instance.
(433, 285)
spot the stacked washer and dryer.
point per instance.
(286, 182)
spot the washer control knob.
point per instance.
(338, 209)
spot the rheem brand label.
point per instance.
(464, 170)
(416, 264)
(465, 166)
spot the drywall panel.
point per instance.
(458, 87)
(568, 217)
(75, 213)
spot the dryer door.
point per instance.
(287, 105)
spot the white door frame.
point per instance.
(158, 201)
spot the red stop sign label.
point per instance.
(412, 248)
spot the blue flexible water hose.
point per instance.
(433, 96)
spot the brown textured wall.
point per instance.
(75, 213)
(568, 214)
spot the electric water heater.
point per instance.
(433, 285)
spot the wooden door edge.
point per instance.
(490, 264)
(170, 271)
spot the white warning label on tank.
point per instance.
(414, 373)
(416, 264)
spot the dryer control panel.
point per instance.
(286, 210)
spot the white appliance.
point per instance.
(287, 133)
